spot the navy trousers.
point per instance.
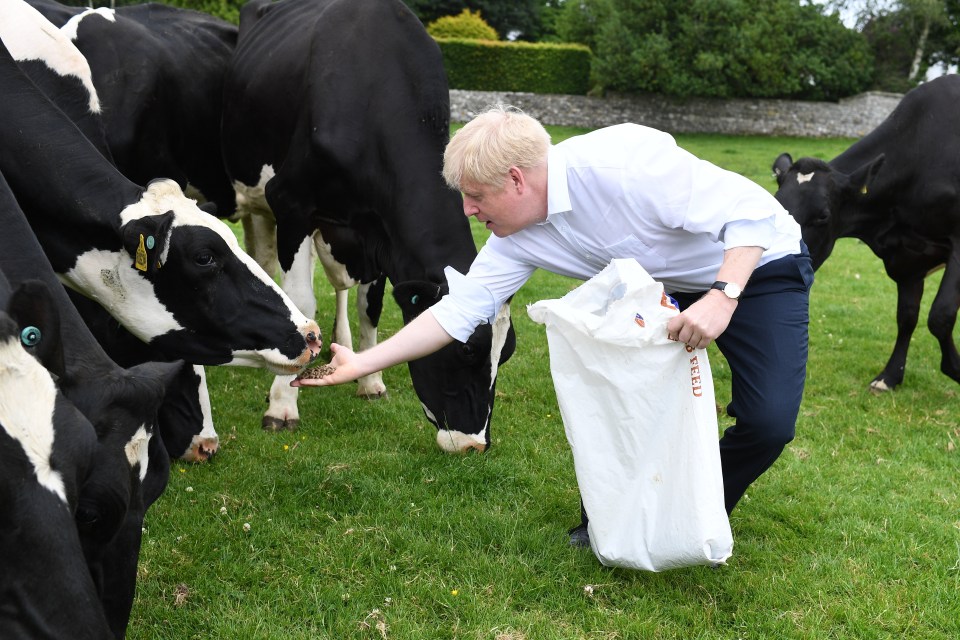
(765, 346)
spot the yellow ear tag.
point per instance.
(141, 261)
(863, 189)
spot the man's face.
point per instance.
(503, 209)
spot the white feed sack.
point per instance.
(639, 412)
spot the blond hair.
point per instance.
(483, 151)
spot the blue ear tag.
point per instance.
(150, 242)
(30, 336)
(415, 299)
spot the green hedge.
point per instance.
(484, 65)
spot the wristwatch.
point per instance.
(729, 289)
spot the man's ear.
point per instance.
(517, 178)
(145, 239)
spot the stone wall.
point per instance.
(853, 117)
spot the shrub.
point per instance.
(468, 25)
(516, 66)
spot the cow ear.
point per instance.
(145, 239)
(33, 307)
(862, 179)
(208, 207)
(781, 165)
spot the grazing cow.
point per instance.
(336, 115)
(46, 452)
(130, 467)
(172, 274)
(898, 190)
(158, 71)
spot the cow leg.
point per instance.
(282, 412)
(185, 407)
(909, 293)
(259, 224)
(260, 239)
(369, 306)
(943, 318)
(371, 386)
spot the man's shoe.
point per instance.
(579, 536)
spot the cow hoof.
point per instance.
(878, 387)
(269, 423)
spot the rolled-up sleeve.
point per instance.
(749, 233)
(468, 305)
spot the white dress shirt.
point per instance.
(626, 191)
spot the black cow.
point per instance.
(158, 71)
(336, 115)
(897, 190)
(172, 274)
(47, 449)
(130, 466)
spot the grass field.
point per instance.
(357, 526)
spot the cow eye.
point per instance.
(204, 259)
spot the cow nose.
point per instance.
(314, 343)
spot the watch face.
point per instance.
(732, 290)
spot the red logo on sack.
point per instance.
(639, 320)
(668, 302)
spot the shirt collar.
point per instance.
(558, 197)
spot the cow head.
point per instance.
(457, 384)
(813, 192)
(122, 407)
(182, 283)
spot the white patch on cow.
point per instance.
(457, 442)
(70, 28)
(205, 443)
(27, 401)
(208, 432)
(138, 450)
(805, 177)
(109, 278)
(29, 36)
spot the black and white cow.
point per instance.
(60, 70)
(130, 466)
(172, 274)
(336, 115)
(898, 190)
(158, 71)
(47, 449)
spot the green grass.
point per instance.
(361, 528)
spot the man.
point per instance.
(721, 245)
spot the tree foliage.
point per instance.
(719, 48)
(466, 24)
(510, 18)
